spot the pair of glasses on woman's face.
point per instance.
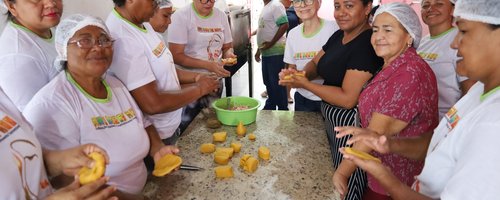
(299, 3)
(206, 1)
(88, 43)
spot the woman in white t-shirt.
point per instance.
(436, 51)
(199, 37)
(84, 105)
(145, 65)
(302, 44)
(26, 165)
(27, 53)
(461, 160)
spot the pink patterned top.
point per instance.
(406, 90)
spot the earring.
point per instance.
(409, 44)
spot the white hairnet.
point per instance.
(164, 4)
(67, 28)
(406, 16)
(486, 11)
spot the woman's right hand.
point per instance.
(218, 69)
(208, 84)
(91, 191)
(340, 183)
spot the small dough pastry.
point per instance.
(222, 155)
(224, 150)
(213, 123)
(361, 154)
(290, 76)
(264, 153)
(229, 61)
(88, 175)
(224, 172)
(221, 159)
(249, 163)
(252, 136)
(207, 148)
(166, 164)
(236, 146)
(241, 130)
(219, 137)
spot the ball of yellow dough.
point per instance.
(264, 153)
(224, 172)
(219, 137)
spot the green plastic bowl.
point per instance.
(233, 117)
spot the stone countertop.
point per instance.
(300, 166)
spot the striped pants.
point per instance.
(336, 116)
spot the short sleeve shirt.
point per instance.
(273, 15)
(64, 115)
(358, 55)
(26, 63)
(203, 37)
(406, 89)
(140, 57)
(300, 49)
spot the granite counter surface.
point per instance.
(300, 166)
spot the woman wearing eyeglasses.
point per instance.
(303, 43)
(27, 48)
(346, 62)
(84, 105)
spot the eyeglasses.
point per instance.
(206, 1)
(88, 43)
(298, 3)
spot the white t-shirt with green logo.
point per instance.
(22, 169)
(272, 16)
(203, 37)
(442, 59)
(300, 49)
(64, 115)
(141, 57)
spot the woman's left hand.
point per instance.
(164, 151)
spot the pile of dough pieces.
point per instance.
(222, 155)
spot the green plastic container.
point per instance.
(233, 117)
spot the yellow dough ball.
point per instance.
(224, 172)
(252, 136)
(88, 175)
(219, 137)
(236, 146)
(264, 153)
(207, 148)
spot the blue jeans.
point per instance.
(305, 104)
(271, 67)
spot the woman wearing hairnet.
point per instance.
(401, 100)
(27, 54)
(26, 165)
(161, 18)
(461, 161)
(145, 65)
(436, 51)
(346, 62)
(84, 105)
